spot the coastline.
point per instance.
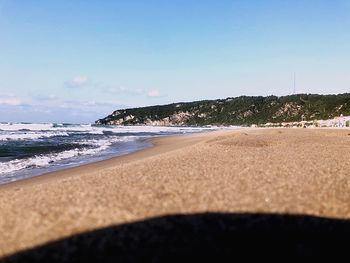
(160, 144)
(290, 171)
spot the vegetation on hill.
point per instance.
(243, 110)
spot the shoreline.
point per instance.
(165, 142)
(280, 171)
(111, 162)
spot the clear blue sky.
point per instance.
(76, 61)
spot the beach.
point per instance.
(32, 149)
(289, 171)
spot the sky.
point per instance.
(77, 61)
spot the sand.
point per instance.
(289, 171)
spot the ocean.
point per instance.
(28, 149)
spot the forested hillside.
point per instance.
(244, 110)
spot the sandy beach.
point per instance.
(289, 171)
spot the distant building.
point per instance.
(338, 121)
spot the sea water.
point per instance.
(28, 149)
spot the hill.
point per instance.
(243, 110)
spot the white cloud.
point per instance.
(116, 90)
(139, 91)
(79, 80)
(154, 93)
(50, 108)
(76, 82)
(89, 103)
(113, 90)
(41, 113)
(10, 101)
(50, 97)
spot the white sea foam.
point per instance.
(26, 126)
(93, 128)
(30, 135)
(36, 161)
(44, 160)
(20, 131)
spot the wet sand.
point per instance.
(289, 171)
